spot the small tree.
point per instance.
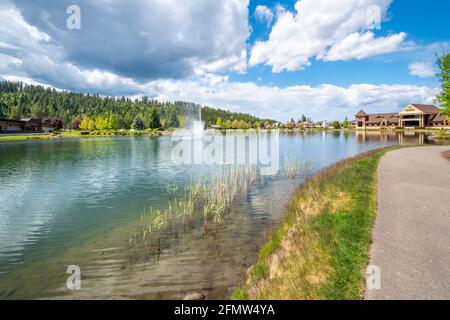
(346, 123)
(112, 122)
(75, 124)
(172, 120)
(444, 77)
(56, 122)
(153, 120)
(87, 124)
(101, 123)
(137, 124)
(219, 122)
(336, 124)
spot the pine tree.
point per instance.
(137, 124)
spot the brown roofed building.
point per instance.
(29, 125)
(413, 115)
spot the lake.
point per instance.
(79, 202)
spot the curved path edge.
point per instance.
(411, 238)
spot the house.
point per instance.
(413, 115)
(28, 125)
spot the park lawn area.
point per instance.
(322, 248)
(25, 137)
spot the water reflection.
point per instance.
(402, 138)
(75, 202)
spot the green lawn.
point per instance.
(24, 138)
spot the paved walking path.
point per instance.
(412, 231)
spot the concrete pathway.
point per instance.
(411, 240)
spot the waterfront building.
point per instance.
(28, 125)
(413, 115)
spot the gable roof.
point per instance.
(11, 120)
(438, 118)
(379, 117)
(426, 108)
(361, 113)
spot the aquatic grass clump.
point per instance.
(210, 199)
(151, 225)
(295, 167)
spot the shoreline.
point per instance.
(317, 252)
(80, 134)
(435, 134)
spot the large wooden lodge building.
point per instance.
(28, 125)
(413, 115)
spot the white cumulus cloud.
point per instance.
(139, 39)
(264, 14)
(422, 69)
(362, 45)
(325, 29)
(325, 101)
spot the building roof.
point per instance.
(361, 113)
(426, 108)
(33, 120)
(379, 117)
(11, 120)
(438, 118)
(27, 122)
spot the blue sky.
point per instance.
(426, 24)
(278, 59)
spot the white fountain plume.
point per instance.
(194, 129)
(198, 126)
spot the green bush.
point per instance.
(440, 134)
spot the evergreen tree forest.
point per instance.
(95, 112)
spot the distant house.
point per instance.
(27, 125)
(413, 115)
(308, 124)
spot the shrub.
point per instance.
(440, 134)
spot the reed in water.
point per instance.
(208, 200)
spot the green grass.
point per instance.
(24, 138)
(79, 134)
(321, 249)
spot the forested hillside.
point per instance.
(94, 112)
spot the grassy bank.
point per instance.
(24, 137)
(321, 249)
(83, 134)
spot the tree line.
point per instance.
(94, 112)
(443, 98)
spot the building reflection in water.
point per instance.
(403, 138)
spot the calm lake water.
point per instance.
(75, 202)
